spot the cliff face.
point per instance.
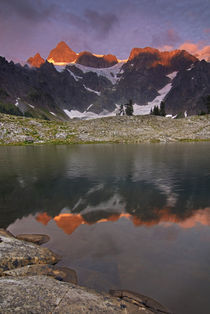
(189, 89)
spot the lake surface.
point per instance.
(131, 217)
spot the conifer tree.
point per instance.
(162, 109)
(129, 108)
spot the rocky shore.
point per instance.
(30, 282)
(119, 129)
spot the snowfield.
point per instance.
(111, 74)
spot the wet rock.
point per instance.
(139, 299)
(34, 238)
(42, 294)
(15, 253)
(59, 273)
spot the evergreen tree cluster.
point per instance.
(156, 111)
(128, 111)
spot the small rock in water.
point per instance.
(59, 273)
(34, 238)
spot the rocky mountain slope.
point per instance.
(87, 86)
(120, 129)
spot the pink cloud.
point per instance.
(166, 48)
(197, 50)
(207, 30)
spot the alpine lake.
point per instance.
(124, 216)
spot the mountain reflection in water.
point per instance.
(135, 217)
(70, 222)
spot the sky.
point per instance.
(102, 27)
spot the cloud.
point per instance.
(169, 37)
(207, 30)
(166, 48)
(99, 23)
(197, 50)
(27, 9)
(102, 23)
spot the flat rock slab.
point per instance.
(15, 253)
(34, 238)
(59, 273)
(42, 294)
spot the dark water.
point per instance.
(134, 217)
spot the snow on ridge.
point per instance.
(110, 73)
(59, 68)
(77, 78)
(92, 90)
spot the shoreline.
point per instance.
(31, 282)
(22, 131)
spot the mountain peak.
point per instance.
(137, 51)
(36, 61)
(86, 58)
(62, 54)
(150, 58)
(62, 44)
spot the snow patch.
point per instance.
(141, 110)
(172, 75)
(110, 73)
(89, 107)
(59, 68)
(87, 115)
(31, 106)
(77, 78)
(17, 102)
(92, 91)
(53, 113)
(191, 67)
(162, 94)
